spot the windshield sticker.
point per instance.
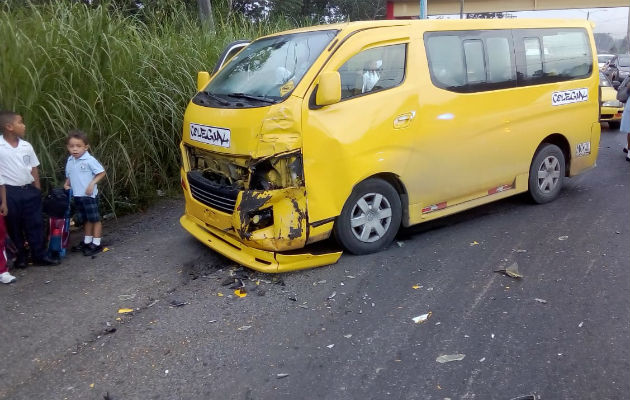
(569, 96)
(210, 135)
(287, 87)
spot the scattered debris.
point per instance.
(219, 294)
(348, 336)
(492, 336)
(450, 357)
(474, 243)
(541, 300)
(416, 287)
(350, 276)
(580, 324)
(125, 310)
(227, 281)
(511, 271)
(292, 297)
(177, 303)
(482, 359)
(212, 321)
(532, 396)
(152, 303)
(333, 294)
(519, 251)
(47, 282)
(330, 346)
(240, 292)
(105, 249)
(422, 318)
(319, 282)
(303, 306)
(563, 238)
(281, 375)
(400, 244)
(108, 330)
(243, 328)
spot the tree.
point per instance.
(205, 14)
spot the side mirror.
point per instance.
(203, 77)
(329, 89)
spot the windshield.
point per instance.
(267, 70)
(624, 61)
(603, 80)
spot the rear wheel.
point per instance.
(370, 218)
(546, 174)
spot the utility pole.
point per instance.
(461, 9)
(423, 9)
(205, 15)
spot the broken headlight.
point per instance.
(277, 172)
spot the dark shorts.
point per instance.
(87, 208)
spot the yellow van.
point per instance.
(354, 129)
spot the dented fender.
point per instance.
(287, 227)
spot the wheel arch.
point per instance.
(561, 141)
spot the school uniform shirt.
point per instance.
(16, 163)
(81, 171)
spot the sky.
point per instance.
(613, 21)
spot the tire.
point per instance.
(614, 124)
(546, 174)
(370, 218)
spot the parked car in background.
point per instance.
(610, 107)
(618, 67)
(602, 60)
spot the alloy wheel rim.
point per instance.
(371, 217)
(548, 174)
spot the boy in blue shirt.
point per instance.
(83, 172)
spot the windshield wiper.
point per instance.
(216, 98)
(251, 97)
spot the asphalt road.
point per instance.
(344, 331)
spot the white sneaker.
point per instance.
(6, 277)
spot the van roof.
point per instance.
(449, 24)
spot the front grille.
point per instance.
(219, 197)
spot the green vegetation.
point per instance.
(124, 78)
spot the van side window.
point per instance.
(446, 61)
(533, 58)
(566, 54)
(374, 69)
(552, 55)
(471, 61)
(475, 64)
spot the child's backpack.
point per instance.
(57, 207)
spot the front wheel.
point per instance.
(546, 174)
(614, 124)
(370, 218)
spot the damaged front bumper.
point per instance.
(260, 260)
(252, 227)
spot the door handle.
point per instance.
(404, 120)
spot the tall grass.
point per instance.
(124, 80)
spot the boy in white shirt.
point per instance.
(83, 172)
(18, 168)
